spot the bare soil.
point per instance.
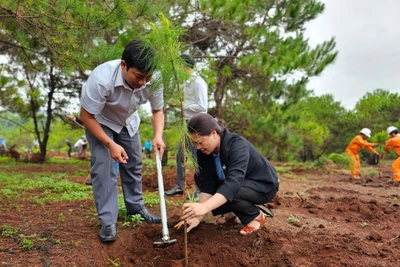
(342, 222)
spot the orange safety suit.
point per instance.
(394, 143)
(352, 151)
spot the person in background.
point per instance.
(3, 147)
(2, 141)
(69, 147)
(394, 142)
(110, 101)
(234, 177)
(77, 146)
(78, 122)
(195, 101)
(35, 143)
(147, 148)
(81, 146)
(84, 148)
(352, 150)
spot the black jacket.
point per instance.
(243, 166)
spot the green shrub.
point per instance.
(7, 230)
(321, 163)
(342, 159)
(293, 219)
(27, 241)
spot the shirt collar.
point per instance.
(120, 81)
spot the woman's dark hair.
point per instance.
(203, 124)
(136, 55)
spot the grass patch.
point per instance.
(283, 169)
(369, 171)
(27, 242)
(133, 220)
(7, 230)
(71, 161)
(47, 187)
(150, 199)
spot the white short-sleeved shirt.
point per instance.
(195, 96)
(113, 103)
(79, 143)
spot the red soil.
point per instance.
(342, 222)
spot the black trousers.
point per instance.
(244, 204)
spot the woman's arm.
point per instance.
(195, 221)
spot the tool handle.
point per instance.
(163, 208)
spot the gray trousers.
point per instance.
(179, 161)
(104, 178)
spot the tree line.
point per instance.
(252, 54)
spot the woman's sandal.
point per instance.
(246, 230)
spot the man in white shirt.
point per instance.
(110, 101)
(195, 101)
(78, 146)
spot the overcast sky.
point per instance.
(367, 34)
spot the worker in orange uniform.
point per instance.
(358, 142)
(394, 142)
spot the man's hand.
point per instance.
(157, 121)
(118, 153)
(158, 145)
(192, 224)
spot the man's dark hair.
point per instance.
(188, 60)
(136, 55)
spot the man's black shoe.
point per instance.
(175, 191)
(88, 182)
(108, 233)
(147, 216)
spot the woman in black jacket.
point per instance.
(233, 176)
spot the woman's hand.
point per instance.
(192, 210)
(192, 224)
